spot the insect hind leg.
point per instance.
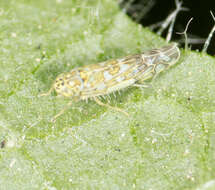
(141, 85)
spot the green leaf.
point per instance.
(167, 142)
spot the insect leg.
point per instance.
(140, 85)
(61, 112)
(47, 93)
(114, 108)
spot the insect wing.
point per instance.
(111, 75)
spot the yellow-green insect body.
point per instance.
(106, 77)
(95, 80)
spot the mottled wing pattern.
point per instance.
(106, 77)
(121, 73)
(156, 60)
(113, 75)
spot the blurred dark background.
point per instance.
(150, 12)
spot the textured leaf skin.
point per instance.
(167, 143)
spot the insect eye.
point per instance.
(59, 80)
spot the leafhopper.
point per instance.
(96, 80)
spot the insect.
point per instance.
(95, 80)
